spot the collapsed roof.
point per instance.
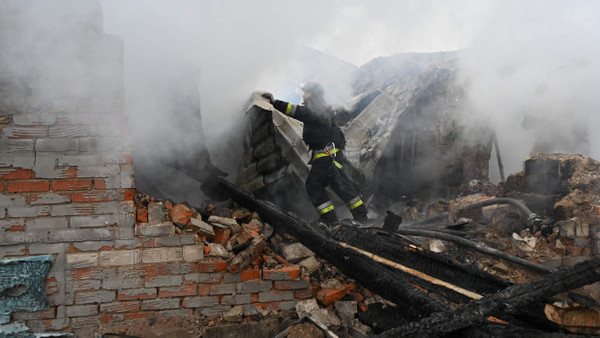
(405, 134)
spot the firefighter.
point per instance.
(325, 139)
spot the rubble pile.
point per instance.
(240, 241)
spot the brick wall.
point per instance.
(67, 190)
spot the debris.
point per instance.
(227, 222)
(156, 212)
(310, 264)
(217, 250)
(180, 214)
(306, 308)
(295, 252)
(246, 256)
(197, 226)
(234, 314)
(346, 310)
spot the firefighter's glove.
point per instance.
(269, 97)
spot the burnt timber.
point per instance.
(432, 315)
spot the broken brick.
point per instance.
(329, 296)
(180, 214)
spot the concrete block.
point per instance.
(254, 286)
(159, 281)
(122, 282)
(232, 278)
(193, 253)
(309, 265)
(205, 277)
(222, 289)
(50, 223)
(49, 198)
(111, 207)
(162, 255)
(18, 159)
(35, 119)
(176, 269)
(230, 223)
(582, 230)
(104, 170)
(92, 297)
(160, 304)
(141, 293)
(101, 144)
(123, 244)
(8, 146)
(81, 310)
(126, 178)
(29, 211)
(82, 260)
(155, 230)
(8, 200)
(177, 240)
(92, 245)
(46, 166)
(201, 228)
(295, 252)
(217, 250)
(120, 257)
(57, 144)
(236, 299)
(120, 307)
(74, 235)
(73, 209)
(2, 213)
(94, 221)
(25, 132)
(47, 249)
(193, 302)
(287, 306)
(156, 212)
(275, 296)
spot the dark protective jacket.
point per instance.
(320, 127)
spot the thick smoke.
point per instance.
(532, 73)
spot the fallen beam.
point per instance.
(374, 277)
(508, 301)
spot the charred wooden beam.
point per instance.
(508, 301)
(362, 269)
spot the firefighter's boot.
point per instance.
(359, 213)
(330, 219)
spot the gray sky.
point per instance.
(512, 49)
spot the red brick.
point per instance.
(596, 210)
(17, 174)
(302, 294)
(99, 184)
(142, 215)
(70, 172)
(329, 296)
(68, 185)
(29, 186)
(220, 266)
(1, 186)
(207, 267)
(247, 275)
(128, 195)
(254, 297)
(150, 243)
(221, 236)
(180, 214)
(293, 272)
(50, 313)
(204, 290)
(179, 291)
(139, 315)
(15, 228)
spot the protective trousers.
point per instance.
(326, 171)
